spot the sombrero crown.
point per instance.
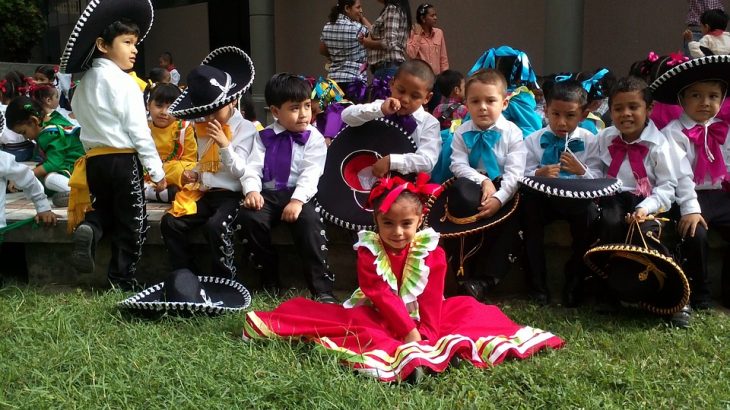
(667, 86)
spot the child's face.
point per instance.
(629, 114)
(411, 91)
(122, 51)
(162, 62)
(52, 102)
(161, 118)
(29, 129)
(41, 78)
(399, 225)
(485, 103)
(294, 116)
(701, 101)
(564, 116)
(431, 18)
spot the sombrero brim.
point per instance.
(436, 216)
(666, 87)
(229, 59)
(335, 200)
(228, 296)
(2, 123)
(573, 188)
(97, 16)
(666, 299)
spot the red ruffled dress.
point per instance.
(400, 291)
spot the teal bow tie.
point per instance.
(554, 146)
(481, 147)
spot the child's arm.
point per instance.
(514, 165)
(694, 46)
(665, 184)
(251, 180)
(430, 301)
(235, 156)
(427, 153)
(32, 188)
(312, 167)
(689, 207)
(133, 117)
(358, 114)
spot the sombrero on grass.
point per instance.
(667, 86)
(184, 292)
(96, 17)
(343, 189)
(643, 273)
(453, 212)
(574, 188)
(223, 76)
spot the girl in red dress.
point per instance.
(398, 320)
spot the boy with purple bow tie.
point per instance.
(410, 90)
(281, 178)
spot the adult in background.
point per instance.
(696, 8)
(427, 41)
(386, 43)
(340, 42)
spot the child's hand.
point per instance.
(489, 208)
(488, 189)
(639, 215)
(381, 167)
(254, 201)
(47, 218)
(550, 171)
(291, 211)
(412, 336)
(189, 177)
(11, 187)
(687, 35)
(215, 132)
(390, 106)
(160, 186)
(568, 162)
(688, 224)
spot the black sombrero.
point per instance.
(224, 75)
(644, 274)
(452, 212)
(96, 17)
(668, 85)
(577, 188)
(184, 292)
(2, 122)
(343, 189)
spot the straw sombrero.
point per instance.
(96, 17)
(223, 76)
(452, 213)
(184, 292)
(574, 188)
(668, 85)
(344, 187)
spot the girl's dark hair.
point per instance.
(21, 109)
(631, 84)
(47, 70)
(405, 7)
(164, 93)
(41, 92)
(447, 81)
(285, 87)
(716, 18)
(11, 85)
(407, 195)
(421, 12)
(651, 68)
(116, 29)
(157, 74)
(340, 9)
(249, 111)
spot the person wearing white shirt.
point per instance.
(281, 178)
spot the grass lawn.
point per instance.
(76, 350)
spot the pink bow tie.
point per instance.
(708, 152)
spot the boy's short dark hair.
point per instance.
(487, 76)
(114, 30)
(164, 93)
(284, 87)
(630, 84)
(447, 81)
(569, 91)
(716, 19)
(158, 74)
(419, 69)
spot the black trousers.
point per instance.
(115, 182)
(217, 213)
(308, 233)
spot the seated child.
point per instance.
(560, 150)
(165, 62)
(328, 103)
(174, 139)
(281, 179)
(390, 329)
(56, 138)
(211, 195)
(410, 90)
(159, 75)
(12, 86)
(486, 148)
(47, 96)
(451, 85)
(715, 40)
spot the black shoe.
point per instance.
(82, 255)
(473, 288)
(326, 297)
(682, 318)
(455, 362)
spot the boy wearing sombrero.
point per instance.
(119, 147)
(700, 86)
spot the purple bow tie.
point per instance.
(277, 161)
(407, 122)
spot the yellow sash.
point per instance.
(79, 200)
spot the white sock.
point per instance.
(57, 182)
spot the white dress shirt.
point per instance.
(9, 136)
(110, 109)
(24, 179)
(307, 165)
(510, 152)
(427, 137)
(589, 157)
(661, 164)
(234, 157)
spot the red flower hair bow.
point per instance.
(393, 187)
(676, 58)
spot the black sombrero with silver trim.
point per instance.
(96, 17)
(223, 76)
(344, 187)
(668, 85)
(183, 292)
(2, 122)
(573, 188)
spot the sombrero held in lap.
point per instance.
(575, 188)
